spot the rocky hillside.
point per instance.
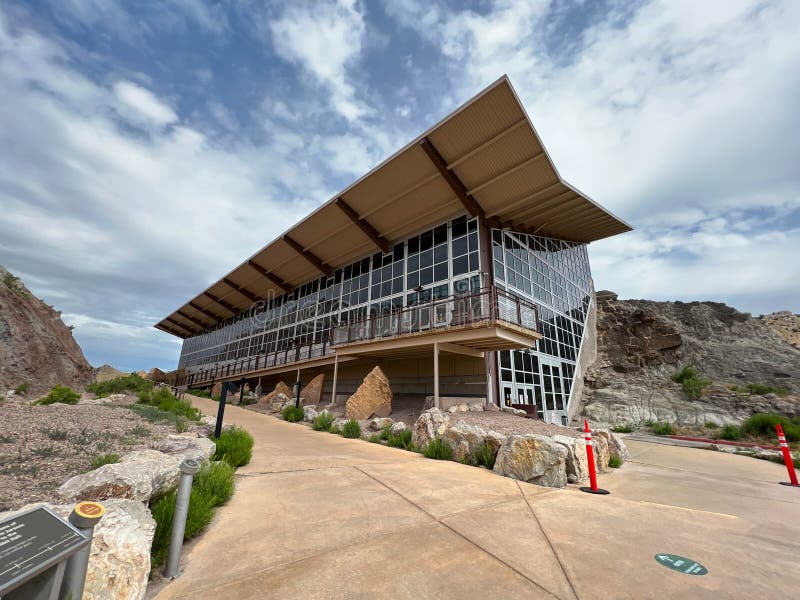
(785, 324)
(642, 344)
(35, 346)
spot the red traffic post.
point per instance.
(787, 458)
(593, 489)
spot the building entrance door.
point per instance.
(552, 391)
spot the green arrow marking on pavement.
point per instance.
(679, 563)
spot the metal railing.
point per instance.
(487, 305)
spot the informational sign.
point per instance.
(681, 564)
(32, 542)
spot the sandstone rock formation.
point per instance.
(107, 373)
(785, 324)
(534, 459)
(373, 398)
(35, 345)
(280, 388)
(119, 560)
(157, 375)
(430, 424)
(379, 423)
(312, 392)
(187, 445)
(641, 344)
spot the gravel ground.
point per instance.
(43, 446)
(509, 424)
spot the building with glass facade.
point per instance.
(459, 265)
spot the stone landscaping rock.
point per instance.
(430, 424)
(491, 408)
(602, 453)
(312, 392)
(379, 423)
(398, 427)
(339, 423)
(373, 398)
(309, 413)
(465, 439)
(458, 408)
(534, 459)
(119, 561)
(188, 445)
(476, 407)
(577, 461)
(616, 447)
(140, 475)
(513, 411)
(280, 388)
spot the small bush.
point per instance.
(375, 439)
(103, 459)
(322, 422)
(22, 389)
(386, 432)
(615, 462)
(234, 446)
(62, 394)
(335, 430)
(400, 440)
(438, 449)
(624, 428)
(763, 425)
(711, 425)
(133, 383)
(663, 428)
(730, 432)
(761, 389)
(213, 486)
(691, 382)
(351, 429)
(199, 393)
(163, 399)
(292, 413)
(485, 456)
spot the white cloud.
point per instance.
(326, 40)
(140, 104)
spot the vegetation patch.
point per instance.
(351, 429)
(322, 422)
(691, 382)
(292, 413)
(615, 462)
(400, 440)
(663, 428)
(763, 425)
(438, 449)
(199, 393)
(103, 459)
(133, 384)
(62, 394)
(623, 428)
(14, 284)
(234, 446)
(729, 432)
(22, 389)
(213, 486)
(165, 401)
(759, 389)
(485, 456)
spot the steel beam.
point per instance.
(206, 312)
(192, 319)
(367, 229)
(249, 295)
(452, 179)
(222, 303)
(179, 324)
(285, 287)
(312, 258)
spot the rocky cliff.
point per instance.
(785, 324)
(35, 346)
(641, 344)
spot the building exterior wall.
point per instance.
(441, 261)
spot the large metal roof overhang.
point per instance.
(484, 158)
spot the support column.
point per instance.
(487, 267)
(436, 374)
(335, 375)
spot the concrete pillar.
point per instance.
(436, 374)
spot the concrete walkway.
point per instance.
(319, 516)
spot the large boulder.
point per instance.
(140, 475)
(309, 413)
(465, 439)
(379, 423)
(616, 447)
(119, 561)
(312, 393)
(187, 445)
(281, 388)
(577, 461)
(398, 428)
(430, 424)
(534, 459)
(602, 454)
(373, 398)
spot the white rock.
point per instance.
(465, 439)
(139, 475)
(379, 423)
(119, 561)
(309, 413)
(188, 445)
(430, 424)
(339, 423)
(532, 458)
(398, 427)
(577, 461)
(476, 407)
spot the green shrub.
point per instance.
(375, 439)
(323, 421)
(710, 425)
(763, 425)
(615, 462)
(335, 430)
(22, 389)
(663, 428)
(624, 428)
(103, 459)
(234, 446)
(386, 432)
(163, 399)
(761, 389)
(730, 432)
(351, 429)
(62, 394)
(292, 413)
(485, 456)
(438, 449)
(691, 382)
(199, 393)
(400, 440)
(213, 486)
(133, 383)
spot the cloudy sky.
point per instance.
(146, 151)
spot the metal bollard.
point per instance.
(84, 517)
(188, 468)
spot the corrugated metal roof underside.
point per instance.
(489, 144)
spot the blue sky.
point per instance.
(146, 148)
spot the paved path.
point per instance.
(319, 516)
